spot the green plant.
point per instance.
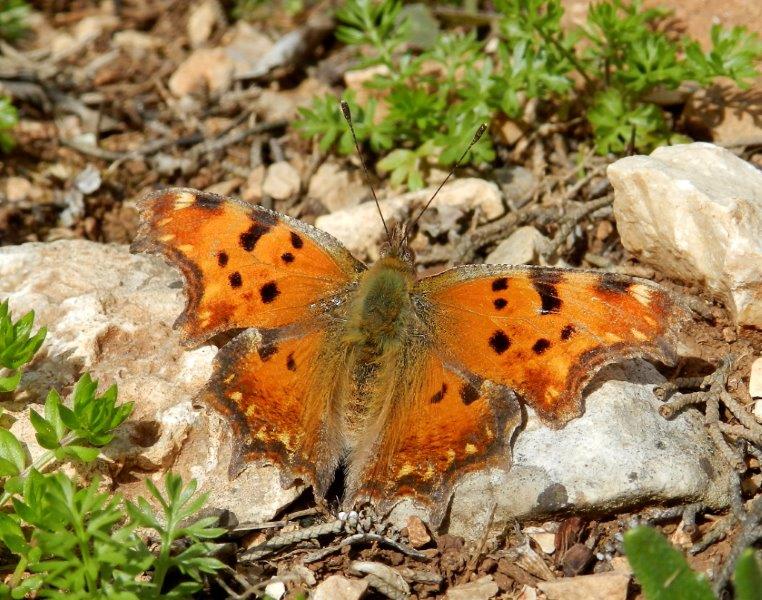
(73, 433)
(428, 103)
(664, 574)
(17, 344)
(91, 420)
(179, 506)
(325, 122)
(13, 16)
(77, 542)
(376, 24)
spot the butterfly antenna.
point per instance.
(477, 135)
(348, 117)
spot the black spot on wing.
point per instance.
(290, 362)
(611, 283)
(296, 241)
(208, 201)
(544, 283)
(567, 332)
(500, 303)
(287, 257)
(222, 258)
(269, 291)
(235, 279)
(249, 238)
(499, 341)
(541, 346)
(437, 397)
(499, 284)
(468, 394)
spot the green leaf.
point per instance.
(12, 535)
(53, 413)
(27, 586)
(10, 383)
(14, 485)
(83, 453)
(16, 346)
(68, 417)
(615, 117)
(45, 433)
(747, 580)
(661, 570)
(12, 451)
(8, 468)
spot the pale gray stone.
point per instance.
(618, 455)
(202, 18)
(336, 587)
(360, 228)
(204, 69)
(600, 586)
(281, 181)
(522, 247)
(694, 212)
(336, 188)
(110, 313)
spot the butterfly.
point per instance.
(406, 383)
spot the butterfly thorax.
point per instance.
(381, 309)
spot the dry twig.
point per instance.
(359, 538)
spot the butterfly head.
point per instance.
(397, 246)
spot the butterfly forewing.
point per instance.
(248, 267)
(244, 266)
(546, 332)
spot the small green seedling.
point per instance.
(17, 343)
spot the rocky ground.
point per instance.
(119, 99)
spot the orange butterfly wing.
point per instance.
(248, 267)
(244, 265)
(546, 332)
(266, 386)
(443, 423)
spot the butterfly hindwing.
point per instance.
(244, 265)
(545, 332)
(443, 423)
(270, 387)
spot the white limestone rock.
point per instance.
(281, 181)
(694, 211)
(205, 69)
(336, 587)
(337, 188)
(599, 586)
(483, 588)
(110, 313)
